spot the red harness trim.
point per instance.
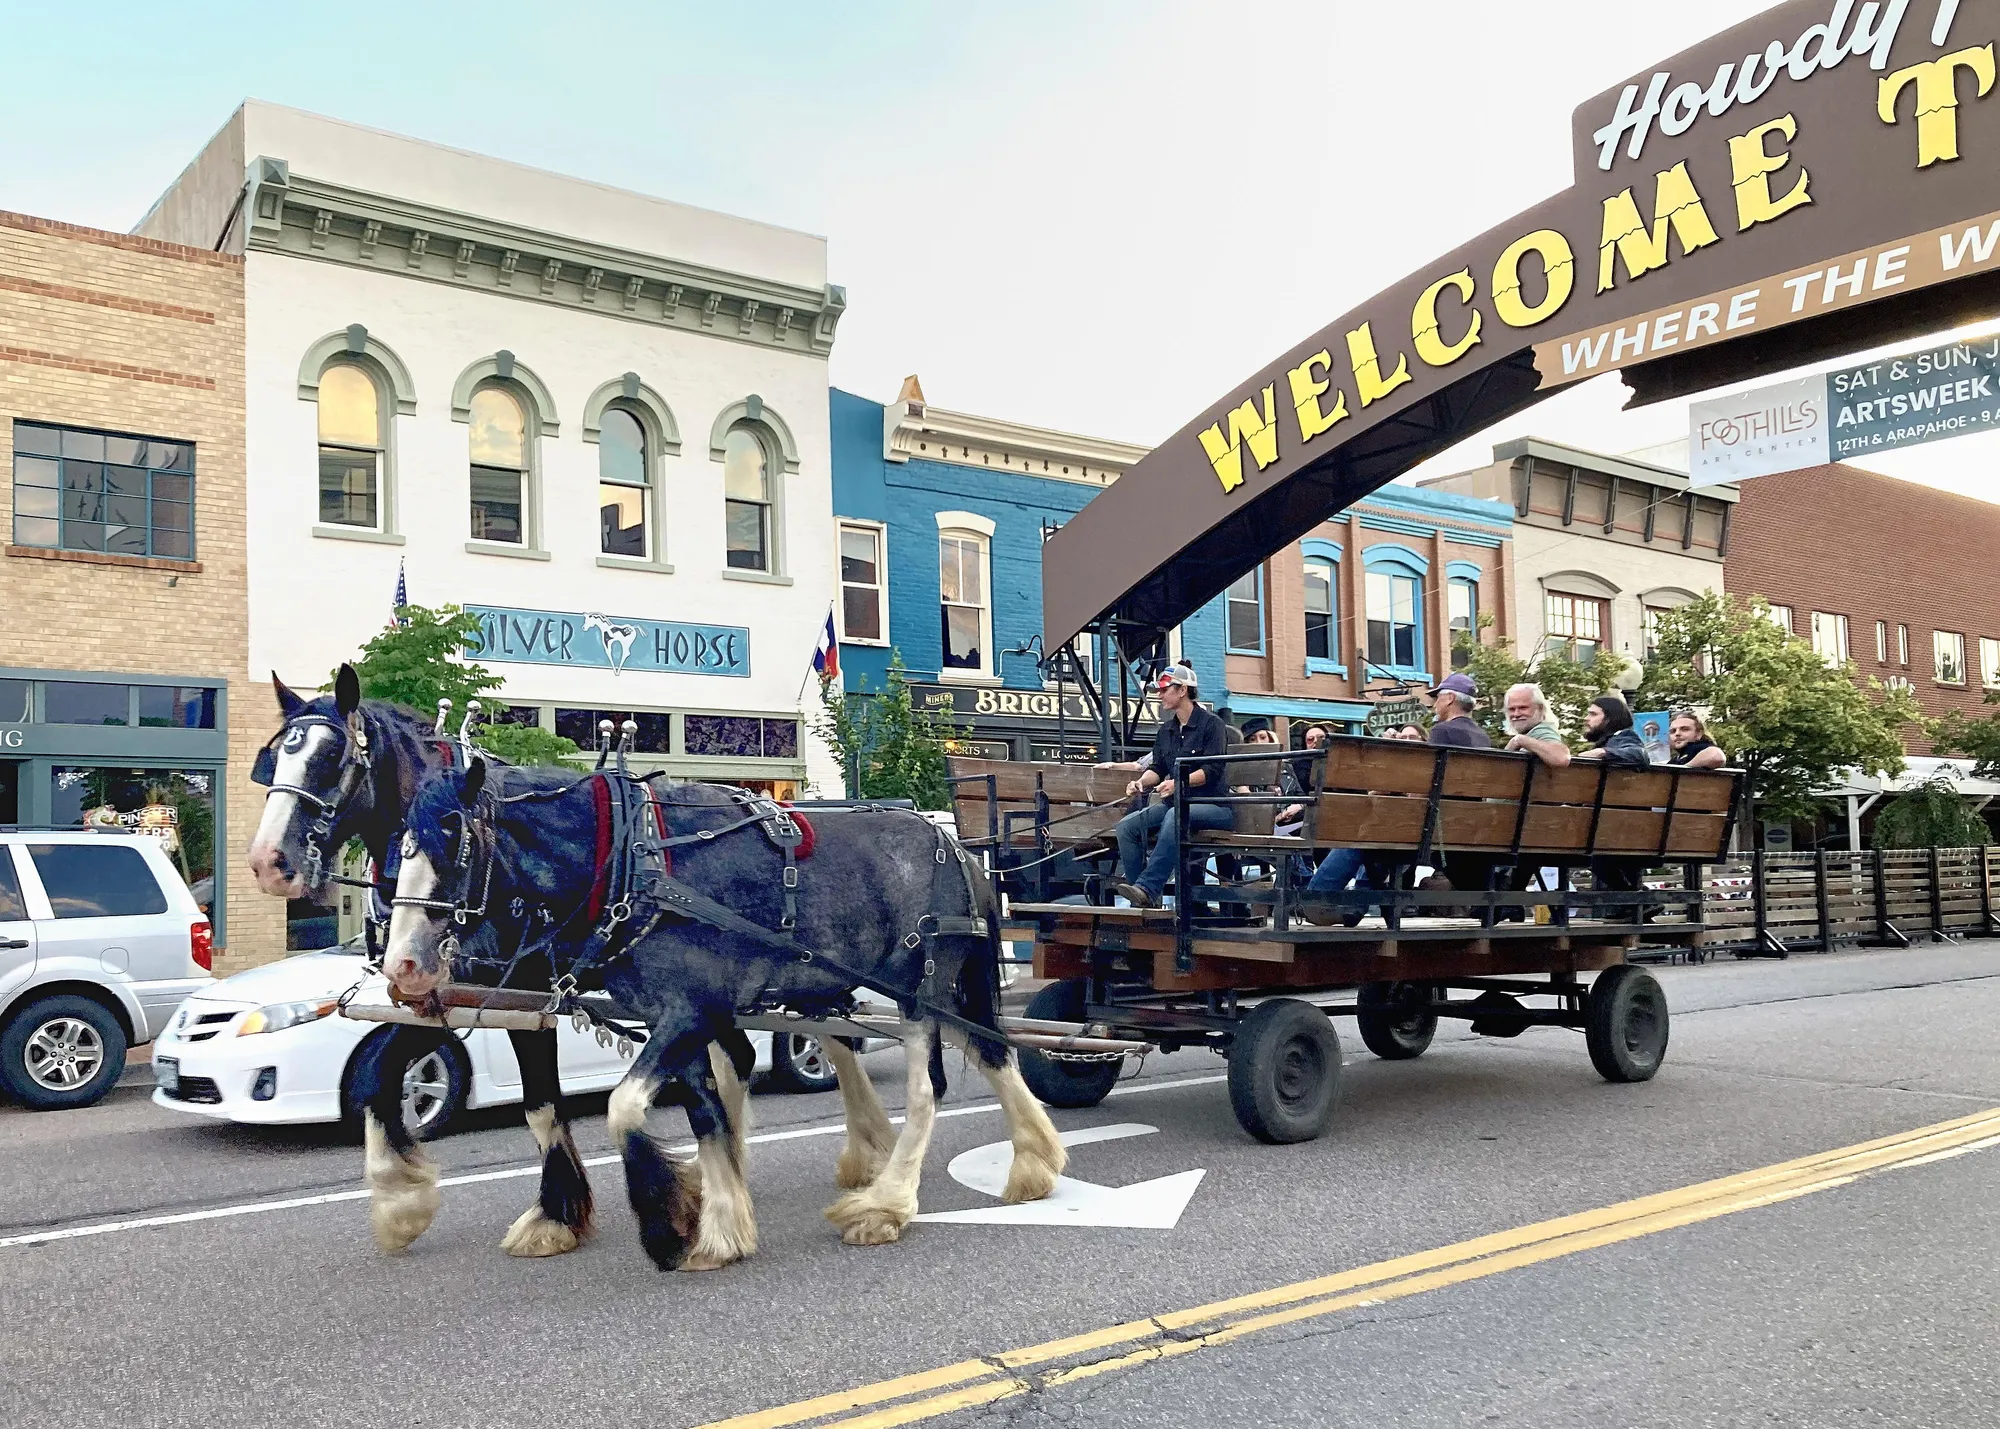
(600, 886)
(806, 835)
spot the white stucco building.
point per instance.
(597, 419)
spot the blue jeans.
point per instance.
(1153, 874)
(1341, 867)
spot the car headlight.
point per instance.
(280, 1015)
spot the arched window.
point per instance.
(351, 444)
(624, 481)
(498, 448)
(746, 486)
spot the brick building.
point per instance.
(1918, 604)
(121, 430)
(1365, 605)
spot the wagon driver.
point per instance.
(1188, 731)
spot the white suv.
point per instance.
(100, 939)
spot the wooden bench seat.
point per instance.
(997, 802)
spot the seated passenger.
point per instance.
(1188, 731)
(1692, 747)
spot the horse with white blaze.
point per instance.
(688, 908)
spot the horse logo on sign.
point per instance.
(617, 639)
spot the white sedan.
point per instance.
(266, 1047)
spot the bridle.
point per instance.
(472, 837)
(357, 764)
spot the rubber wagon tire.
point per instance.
(1284, 1071)
(1062, 1083)
(62, 1052)
(1390, 1027)
(1625, 1024)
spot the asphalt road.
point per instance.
(1856, 1292)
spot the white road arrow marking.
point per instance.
(1150, 1205)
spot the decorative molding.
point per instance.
(1318, 547)
(631, 389)
(1584, 583)
(322, 221)
(283, 209)
(1401, 527)
(357, 341)
(502, 365)
(752, 409)
(357, 533)
(1464, 571)
(505, 548)
(966, 521)
(1388, 553)
(911, 429)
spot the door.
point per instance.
(17, 932)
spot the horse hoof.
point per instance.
(1028, 1179)
(534, 1235)
(398, 1218)
(874, 1228)
(697, 1261)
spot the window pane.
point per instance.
(347, 488)
(1406, 645)
(42, 441)
(178, 545)
(499, 427)
(971, 573)
(83, 535)
(746, 522)
(1319, 587)
(1246, 624)
(1464, 605)
(28, 532)
(37, 471)
(1244, 587)
(172, 707)
(83, 475)
(131, 511)
(621, 448)
(621, 520)
(744, 477)
(961, 637)
(175, 806)
(176, 488)
(125, 451)
(781, 739)
(858, 558)
(948, 563)
(81, 702)
(736, 735)
(1405, 591)
(1376, 584)
(349, 407)
(37, 501)
(179, 456)
(14, 702)
(125, 540)
(496, 505)
(861, 612)
(88, 445)
(13, 908)
(128, 480)
(83, 506)
(97, 880)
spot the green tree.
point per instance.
(422, 660)
(1976, 739)
(1932, 814)
(1773, 703)
(1570, 685)
(898, 747)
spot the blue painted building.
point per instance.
(941, 520)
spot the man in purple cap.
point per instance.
(1452, 701)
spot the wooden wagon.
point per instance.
(1545, 902)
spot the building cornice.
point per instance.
(308, 218)
(915, 430)
(1628, 468)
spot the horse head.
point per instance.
(333, 771)
(447, 861)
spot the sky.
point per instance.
(1093, 215)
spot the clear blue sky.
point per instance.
(1095, 215)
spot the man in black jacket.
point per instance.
(1188, 732)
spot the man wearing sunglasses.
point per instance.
(1188, 731)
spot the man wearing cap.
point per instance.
(1452, 701)
(1188, 731)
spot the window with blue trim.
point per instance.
(1395, 619)
(1319, 610)
(1464, 615)
(78, 490)
(1246, 613)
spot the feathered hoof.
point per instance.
(400, 1215)
(857, 1168)
(1030, 1178)
(534, 1235)
(699, 1260)
(864, 1221)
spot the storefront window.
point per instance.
(78, 702)
(14, 703)
(175, 806)
(176, 707)
(655, 735)
(742, 736)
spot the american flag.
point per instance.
(402, 596)
(826, 655)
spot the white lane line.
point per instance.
(293, 1203)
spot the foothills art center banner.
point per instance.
(1878, 406)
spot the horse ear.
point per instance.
(346, 691)
(289, 704)
(475, 782)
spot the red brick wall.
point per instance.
(1850, 542)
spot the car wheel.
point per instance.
(61, 1052)
(800, 1064)
(434, 1085)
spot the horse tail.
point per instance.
(979, 982)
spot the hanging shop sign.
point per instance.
(1809, 183)
(1878, 406)
(1395, 714)
(982, 703)
(589, 640)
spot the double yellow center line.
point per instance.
(1037, 1368)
